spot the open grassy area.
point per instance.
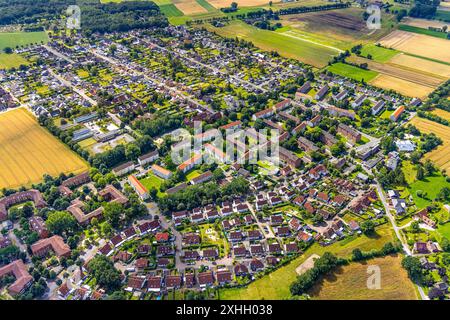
(427, 32)
(430, 185)
(444, 230)
(152, 181)
(352, 72)
(276, 284)
(28, 151)
(350, 282)
(17, 39)
(379, 54)
(8, 61)
(286, 45)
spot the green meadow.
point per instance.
(352, 72)
(287, 46)
(379, 54)
(17, 39)
(427, 32)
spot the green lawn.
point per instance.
(431, 185)
(352, 72)
(13, 39)
(8, 61)
(444, 230)
(170, 10)
(275, 286)
(288, 46)
(379, 54)
(152, 181)
(193, 174)
(427, 32)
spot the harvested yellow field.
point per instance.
(423, 23)
(402, 86)
(442, 113)
(441, 155)
(350, 282)
(241, 3)
(428, 66)
(28, 151)
(189, 7)
(418, 44)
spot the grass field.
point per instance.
(205, 4)
(431, 185)
(13, 39)
(444, 230)
(8, 61)
(285, 45)
(427, 32)
(350, 282)
(28, 151)
(441, 155)
(352, 72)
(275, 285)
(152, 181)
(379, 54)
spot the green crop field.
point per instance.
(291, 47)
(206, 5)
(427, 32)
(170, 10)
(379, 54)
(352, 72)
(275, 285)
(14, 39)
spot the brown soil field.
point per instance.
(404, 60)
(418, 44)
(407, 88)
(241, 3)
(411, 75)
(441, 155)
(350, 282)
(189, 7)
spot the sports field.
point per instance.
(286, 45)
(13, 39)
(28, 151)
(441, 155)
(350, 282)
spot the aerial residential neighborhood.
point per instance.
(172, 151)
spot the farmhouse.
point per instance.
(54, 243)
(140, 189)
(397, 113)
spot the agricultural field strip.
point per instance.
(289, 34)
(402, 72)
